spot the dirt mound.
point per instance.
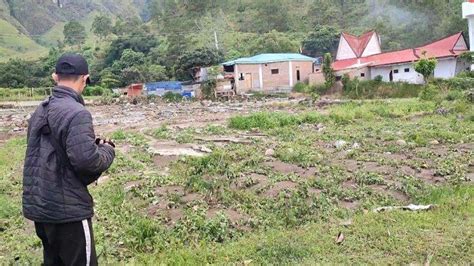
(164, 161)
(287, 168)
(284, 186)
(253, 181)
(169, 190)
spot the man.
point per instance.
(62, 158)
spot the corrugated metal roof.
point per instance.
(167, 85)
(269, 58)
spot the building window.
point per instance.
(395, 71)
(362, 74)
(275, 71)
(407, 70)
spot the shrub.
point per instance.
(172, 97)
(378, 78)
(454, 95)
(429, 93)
(208, 88)
(95, 91)
(300, 87)
(375, 89)
(346, 82)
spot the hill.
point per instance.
(29, 27)
(186, 25)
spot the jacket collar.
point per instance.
(64, 92)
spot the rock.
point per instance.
(320, 127)
(103, 179)
(434, 142)
(269, 152)
(340, 144)
(442, 111)
(401, 142)
(355, 145)
(202, 148)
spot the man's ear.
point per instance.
(86, 78)
(55, 78)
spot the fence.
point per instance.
(24, 94)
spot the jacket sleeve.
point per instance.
(88, 159)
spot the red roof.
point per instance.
(358, 44)
(438, 49)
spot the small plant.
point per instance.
(161, 132)
(300, 87)
(185, 136)
(429, 93)
(118, 135)
(426, 66)
(369, 178)
(454, 95)
(328, 71)
(172, 97)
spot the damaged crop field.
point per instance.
(269, 182)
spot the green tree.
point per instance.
(323, 40)
(273, 42)
(425, 66)
(203, 57)
(102, 26)
(328, 72)
(271, 15)
(74, 33)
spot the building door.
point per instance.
(248, 81)
(298, 78)
(390, 76)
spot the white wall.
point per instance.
(445, 68)
(373, 47)
(411, 77)
(461, 65)
(344, 51)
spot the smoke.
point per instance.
(394, 15)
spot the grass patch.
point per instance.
(267, 120)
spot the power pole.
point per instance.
(215, 40)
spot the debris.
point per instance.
(442, 111)
(102, 179)
(356, 145)
(247, 262)
(410, 207)
(340, 238)
(202, 148)
(434, 142)
(131, 185)
(340, 144)
(401, 142)
(346, 223)
(225, 139)
(320, 127)
(269, 152)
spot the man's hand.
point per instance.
(105, 141)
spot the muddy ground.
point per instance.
(172, 200)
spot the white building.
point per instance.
(362, 57)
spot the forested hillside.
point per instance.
(163, 39)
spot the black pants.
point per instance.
(67, 244)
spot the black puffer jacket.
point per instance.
(55, 182)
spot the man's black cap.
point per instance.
(72, 64)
